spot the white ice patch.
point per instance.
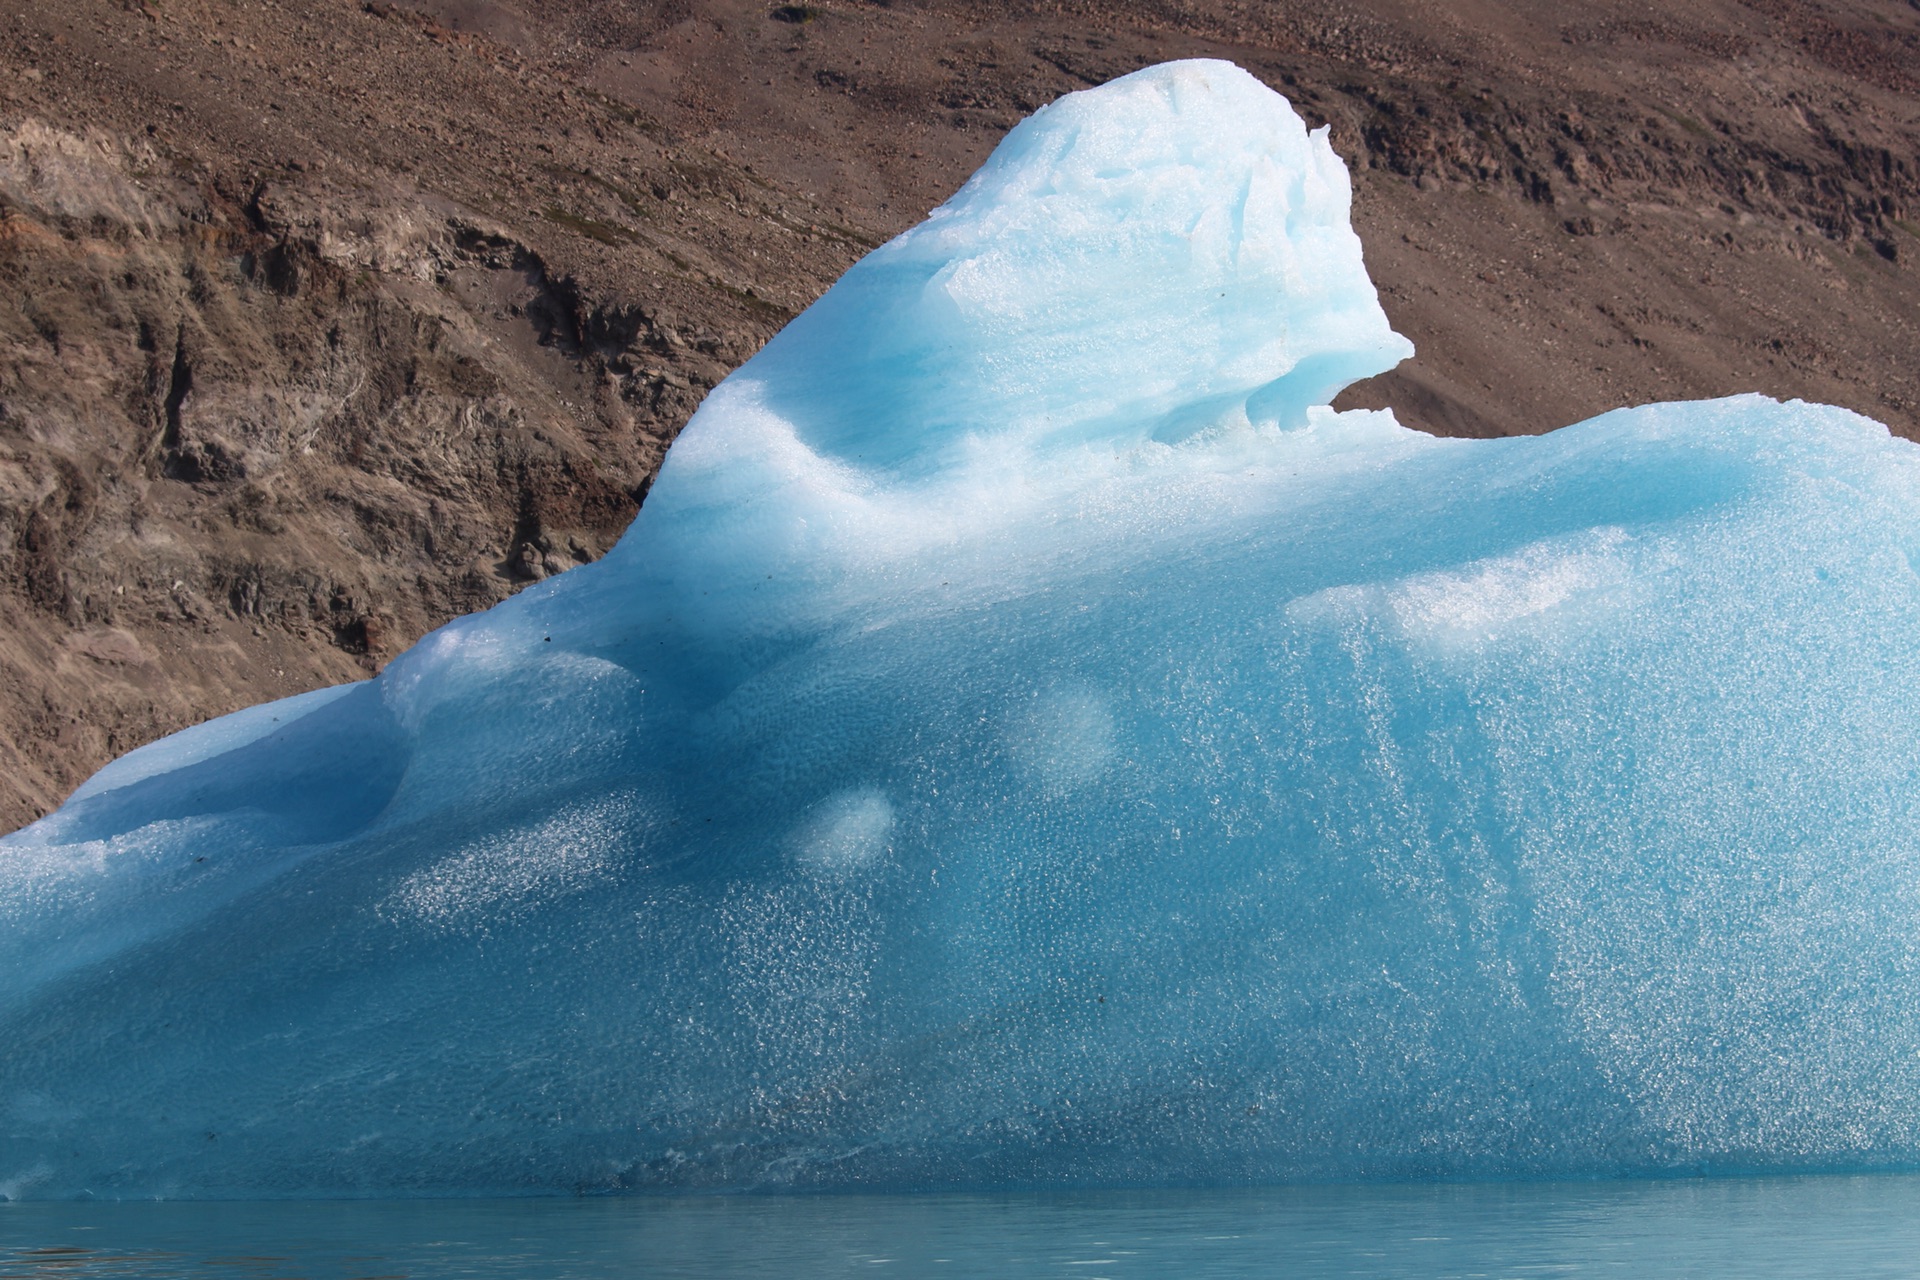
(1556, 582)
(847, 831)
(1066, 739)
(569, 852)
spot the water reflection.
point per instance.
(1733, 1228)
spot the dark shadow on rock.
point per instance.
(1424, 401)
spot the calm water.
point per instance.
(1825, 1227)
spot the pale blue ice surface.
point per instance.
(1028, 739)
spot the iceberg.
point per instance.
(1028, 738)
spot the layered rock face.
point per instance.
(326, 323)
(246, 453)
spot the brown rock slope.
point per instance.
(324, 322)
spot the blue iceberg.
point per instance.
(1028, 738)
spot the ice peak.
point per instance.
(1138, 261)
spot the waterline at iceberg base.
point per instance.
(1027, 738)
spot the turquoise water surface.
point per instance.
(1831, 1226)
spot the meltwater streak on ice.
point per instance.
(1027, 738)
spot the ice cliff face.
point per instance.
(1026, 737)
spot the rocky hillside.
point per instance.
(327, 321)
